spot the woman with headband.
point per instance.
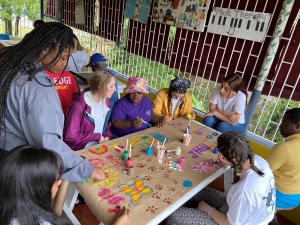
(173, 102)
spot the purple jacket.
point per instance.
(79, 125)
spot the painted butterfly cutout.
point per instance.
(105, 193)
(135, 190)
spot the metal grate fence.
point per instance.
(159, 52)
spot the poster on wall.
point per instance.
(239, 23)
(138, 10)
(79, 11)
(186, 14)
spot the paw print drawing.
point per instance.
(172, 188)
(180, 193)
(158, 187)
(148, 159)
(151, 209)
(148, 178)
(156, 195)
(135, 156)
(141, 165)
(166, 175)
(175, 181)
(168, 171)
(168, 200)
(153, 169)
(162, 168)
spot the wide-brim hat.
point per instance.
(96, 58)
(136, 84)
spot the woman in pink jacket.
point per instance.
(87, 119)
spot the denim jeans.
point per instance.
(221, 126)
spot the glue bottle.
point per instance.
(148, 151)
(182, 161)
(187, 130)
(128, 163)
(125, 155)
(216, 151)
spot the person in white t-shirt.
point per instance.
(227, 105)
(250, 200)
(78, 59)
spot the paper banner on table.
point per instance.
(79, 12)
(239, 23)
(138, 10)
(185, 14)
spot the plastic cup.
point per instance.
(129, 170)
(186, 139)
(160, 151)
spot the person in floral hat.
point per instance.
(134, 111)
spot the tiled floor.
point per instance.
(86, 217)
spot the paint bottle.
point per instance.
(178, 151)
(187, 130)
(128, 163)
(216, 151)
(148, 151)
(182, 161)
(125, 155)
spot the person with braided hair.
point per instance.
(173, 102)
(250, 200)
(30, 111)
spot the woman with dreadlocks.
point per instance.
(173, 102)
(250, 200)
(30, 111)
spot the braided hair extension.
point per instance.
(236, 149)
(22, 59)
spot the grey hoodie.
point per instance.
(34, 116)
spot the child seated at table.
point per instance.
(173, 102)
(134, 111)
(250, 200)
(227, 105)
(99, 62)
(87, 120)
(29, 180)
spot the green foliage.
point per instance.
(13, 9)
(267, 116)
